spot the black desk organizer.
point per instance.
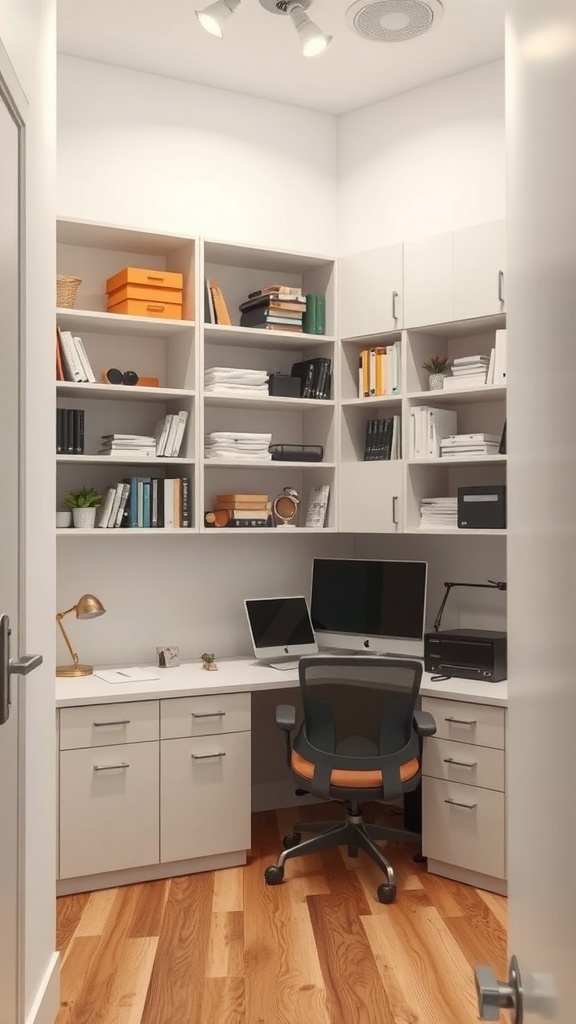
(296, 452)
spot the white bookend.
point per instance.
(115, 506)
(168, 504)
(84, 361)
(106, 508)
(181, 421)
(70, 358)
(317, 507)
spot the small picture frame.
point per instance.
(168, 657)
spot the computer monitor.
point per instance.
(369, 605)
(280, 629)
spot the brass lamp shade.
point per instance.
(88, 607)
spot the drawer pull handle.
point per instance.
(461, 764)
(155, 277)
(208, 714)
(154, 307)
(121, 721)
(461, 721)
(204, 757)
(109, 767)
(467, 807)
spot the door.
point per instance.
(541, 150)
(371, 292)
(10, 541)
(370, 497)
(479, 265)
(429, 281)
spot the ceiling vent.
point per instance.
(393, 21)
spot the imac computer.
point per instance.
(281, 630)
(369, 606)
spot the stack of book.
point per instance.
(428, 427)
(240, 511)
(382, 439)
(241, 445)
(379, 371)
(278, 307)
(169, 434)
(228, 380)
(70, 431)
(147, 503)
(467, 372)
(438, 513)
(315, 377)
(128, 444)
(72, 362)
(469, 446)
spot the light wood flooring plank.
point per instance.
(228, 890)
(95, 913)
(224, 1001)
(75, 966)
(68, 914)
(130, 985)
(497, 904)
(226, 945)
(149, 910)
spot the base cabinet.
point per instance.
(205, 796)
(109, 808)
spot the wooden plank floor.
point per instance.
(223, 948)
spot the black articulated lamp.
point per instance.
(490, 585)
(88, 607)
(466, 653)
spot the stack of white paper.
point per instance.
(438, 513)
(228, 444)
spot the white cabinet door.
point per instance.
(371, 497)
(429, 281)
(109, 808)
(479, 264)
(371, 292)
(205, 796)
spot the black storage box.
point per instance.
(482, 508)
(282, 385)
(296, 452)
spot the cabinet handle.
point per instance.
(467, 807)
(208, 714)
(394, 504)
(461, 764)
(154, 308)
(109, 767)
(394, 312)
(461, 721)
(501, 286)
(121, 721)
(203, 757)
(155, 277)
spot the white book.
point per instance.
(172, 428)
(122, 505)
(168, 504)
(317, 506)
(181, 421)
(360, 378)
(490, 374)
(84, 361)
(115, 506)
(500, 358)
(441, 423)
(396, 447)
(161, 435)
(457, 440)
(466, 360)
(372, 372)
(140, 502)
(71, 359)
(106, 508)
(461, 383)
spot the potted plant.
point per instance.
(437, 367)
(209, 663)
(83, 503)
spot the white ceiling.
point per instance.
(260, 54)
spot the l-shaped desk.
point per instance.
(155, 777)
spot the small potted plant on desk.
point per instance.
(437, 367)
(83, 503)
(209, 663)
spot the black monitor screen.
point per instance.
(280, 622)
(369, 598)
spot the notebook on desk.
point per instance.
(281, 630)
(126, 675)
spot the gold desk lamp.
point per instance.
(88, 607)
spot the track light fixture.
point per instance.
(313, 40)
(214, 17)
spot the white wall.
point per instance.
(147, 151)
(428, 161)
(28, 32)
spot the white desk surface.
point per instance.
(241, 675)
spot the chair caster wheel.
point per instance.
(289, 842)
(386, 893)
(419, 858)
(274, 875)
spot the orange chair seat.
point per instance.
(352, 779)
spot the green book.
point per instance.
(309, 318)
(320, 315)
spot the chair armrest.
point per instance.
(424, 723)
(286, 717)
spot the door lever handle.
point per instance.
(22, 666)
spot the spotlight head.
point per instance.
(214, 17)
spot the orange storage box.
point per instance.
(145, 276)
(145, 293)
(142, 307)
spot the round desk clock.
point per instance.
(285, 507)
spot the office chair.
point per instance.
(360, 740)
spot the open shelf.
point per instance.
(462, 396)
(125, 532)
(95, 322)
(235, 401)
(372, 400)
(256, 464)
(253, 337)
(454, 531)
(483, 460)
(274, 531)
(123, 460)
(117, 392)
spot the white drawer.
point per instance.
(467, 723)
(204, 716)
(98, 725)
(109, 808)
(465, 763)
(464, 826)
(205, 796)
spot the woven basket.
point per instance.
(66, 288)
